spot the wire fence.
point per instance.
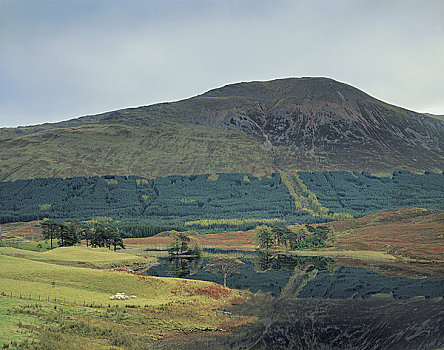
(63, 301)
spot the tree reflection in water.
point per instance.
(180, 266)
(264, 261)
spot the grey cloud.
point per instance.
(67, 59)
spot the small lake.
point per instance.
(304, 277)
(321, 303)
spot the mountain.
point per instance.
(291, 124)
(440, 117)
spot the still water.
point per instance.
(319, 303)
(308, 277)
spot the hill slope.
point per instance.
(410, 233)
(289, 124)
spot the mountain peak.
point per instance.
(317, 88)
(255, 127)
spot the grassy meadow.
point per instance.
(77, 256)
(48, 302)
(10, 321)
(25, 244)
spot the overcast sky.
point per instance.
(64, 59)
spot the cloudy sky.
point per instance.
(64, 59)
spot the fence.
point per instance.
(62, 301)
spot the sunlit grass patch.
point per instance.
(10, 322)
(78, 256)
(90, 286)
(25, 244)
(55, 326)
(64, 303)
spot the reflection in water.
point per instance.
(332, 324)
(265, 261)
(319, 304)
(302, 276)
(260, 272)
(181, 267)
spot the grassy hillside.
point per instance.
(308, 124)
(74, 284)
(77, 256)
(38, 245)
(71, 309)
(411, 233)
(165, 149)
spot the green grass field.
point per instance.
(78, 256)
(55, 305)
(20, 243)
(21, 275)
(10, 322)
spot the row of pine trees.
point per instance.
(71, 233)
